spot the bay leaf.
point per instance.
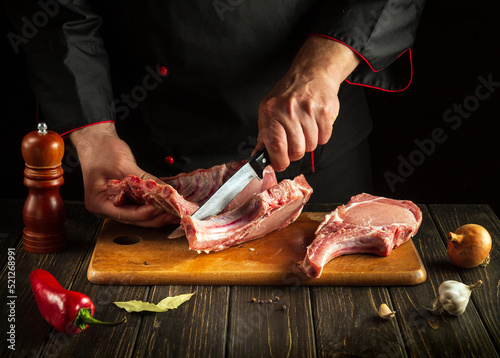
(170, 303)
(164, 305)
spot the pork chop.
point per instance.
(366, 224)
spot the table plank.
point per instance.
(347, 323)
(281, 327)
(426, 334)
(11, 225)
(95, 341)
(486, 298)
(195, 329)
(32, 331)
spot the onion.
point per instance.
(469, 246)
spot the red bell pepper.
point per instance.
(67, 311)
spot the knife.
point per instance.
(254, 168)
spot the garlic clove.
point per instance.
(385, 312)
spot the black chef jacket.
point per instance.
(184, 79)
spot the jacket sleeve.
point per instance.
(382, 32)
(67, 64)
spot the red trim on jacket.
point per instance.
(374, 70)
(87, 125)
(65, 134)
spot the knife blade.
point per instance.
(254, 168)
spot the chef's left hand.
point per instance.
(103, 156)
(299, 112)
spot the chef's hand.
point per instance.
(299, 112)
(103, 156)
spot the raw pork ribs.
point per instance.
(183, 194)
(270, 210)
(366, 224)
(263, 206)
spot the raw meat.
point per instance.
(200, 184)
(185, 193)
(132, 189)
(272, 209)
(366, 224)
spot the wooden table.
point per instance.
(222, 321)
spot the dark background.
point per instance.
(457, 46)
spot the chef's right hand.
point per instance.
(298, 114)
(103, 156)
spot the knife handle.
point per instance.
(259, 161)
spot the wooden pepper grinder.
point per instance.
(43, 214)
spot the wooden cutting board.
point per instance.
(130, 255)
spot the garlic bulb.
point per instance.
(453, 297)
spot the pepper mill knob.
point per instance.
(43, 213)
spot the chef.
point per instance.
(154, 88)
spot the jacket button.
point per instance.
(162, 70)
(169, 160)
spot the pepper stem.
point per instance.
(84, 319)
